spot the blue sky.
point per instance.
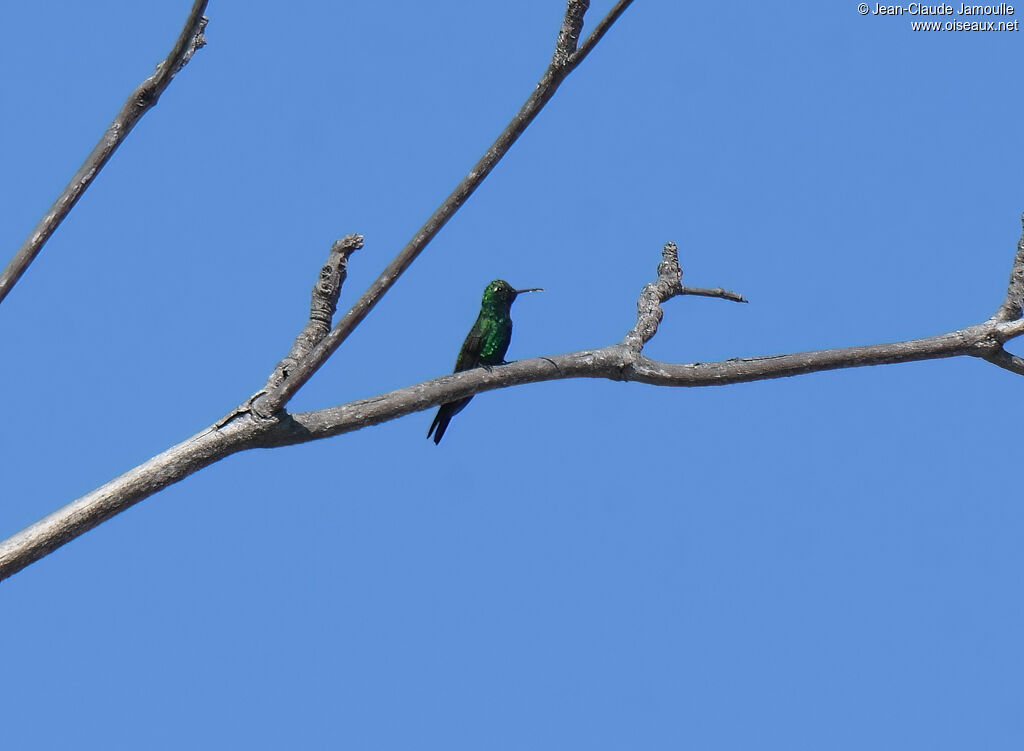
(831, 561)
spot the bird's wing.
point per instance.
(469, 355)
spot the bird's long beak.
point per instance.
(531, 289)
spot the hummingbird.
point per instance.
(485, 345)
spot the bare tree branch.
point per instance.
(1012, 305)
(246, 426)
(599, 31)
(669, 284)
(648, 307)
(138, 104)
(241, 430)
(559, 68)
(222, 439)
(725, 294)
(269, 426)
(322, 307)
(618, 363)
(67, 523)
(569, 34)
(1006, 360)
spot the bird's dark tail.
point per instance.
(444, 415)
(439, 425)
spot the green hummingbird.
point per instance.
(485, 345)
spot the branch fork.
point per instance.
(566, 57)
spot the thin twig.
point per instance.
(138, 104)
(270, 403)
(724, 294)
(600, 30)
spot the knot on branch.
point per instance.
(146, 95)
(197, 43)
(253, 408)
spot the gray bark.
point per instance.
(262, 422)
